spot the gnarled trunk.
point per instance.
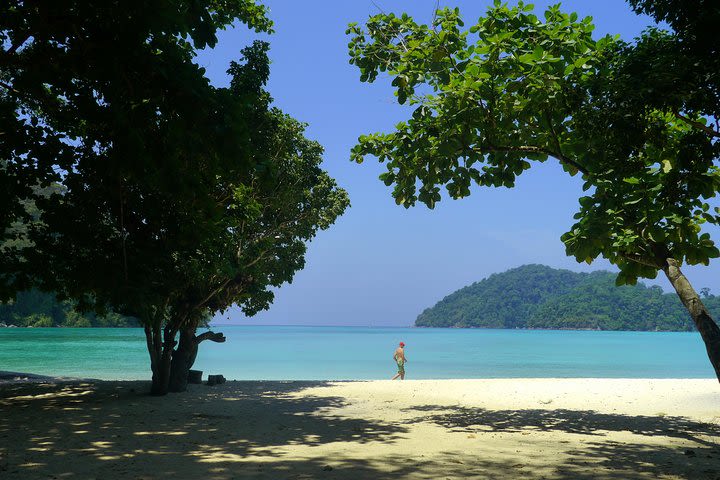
(184, 356)
(707, 327)
(183, 359)
(160, 343)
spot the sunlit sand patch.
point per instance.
(220, 457)
(123, 456)
(64, 393)
(160, 433)
(31, 465)
(101, 444)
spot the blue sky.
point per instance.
(381, 264)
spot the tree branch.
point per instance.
(9, 87)
(15, 47)
(696, 124)
(214, 292)
(533, 149)
(212, 336)
(648, 262)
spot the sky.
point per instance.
(381, 264)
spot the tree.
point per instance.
(137, 138)
(274, 214)
(515, 88)
(67, 103)
(178, 198)
(680, 69)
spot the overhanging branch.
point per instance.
(212, 336)
(642, 260)
(696, 124)
(532, 149)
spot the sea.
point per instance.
(365, 353)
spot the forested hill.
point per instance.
(37, 309)
(537, 296)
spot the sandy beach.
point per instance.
(424, 429)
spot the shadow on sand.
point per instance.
(242, 430)
(598, 459)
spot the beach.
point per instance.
(415, 429)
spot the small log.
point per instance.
(195, 376)
(215, 380)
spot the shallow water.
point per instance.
(359, 353)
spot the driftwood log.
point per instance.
(195, 376)
(215, 380)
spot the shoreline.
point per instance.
(413, 429)
(419, 327)
(20, 377)
(26, 377)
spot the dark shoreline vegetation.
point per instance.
(33, 308)
(542, 298)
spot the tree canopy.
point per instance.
(176, 198)
(105, 100)
(514, 88)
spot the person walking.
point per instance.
(399, 357)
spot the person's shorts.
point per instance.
(401, 368)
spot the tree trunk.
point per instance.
(160, 345)
(183, 358)
(707, 327)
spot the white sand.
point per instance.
(424, 429)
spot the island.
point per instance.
(541, 297)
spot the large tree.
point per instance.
(106, 101)
(515, 88)
(87, 87)
(153, 161)
(270, 218)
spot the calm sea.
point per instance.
(315, 353)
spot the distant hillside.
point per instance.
(537, 296)
(37, 309)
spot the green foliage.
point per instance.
(516, 88)
(33, 308)
(536, 296)
(268, 221)
(136, 139)
(680, 70)
(177, 198)
(494, 95)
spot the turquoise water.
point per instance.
(315, 353)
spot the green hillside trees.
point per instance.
(536, 296)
